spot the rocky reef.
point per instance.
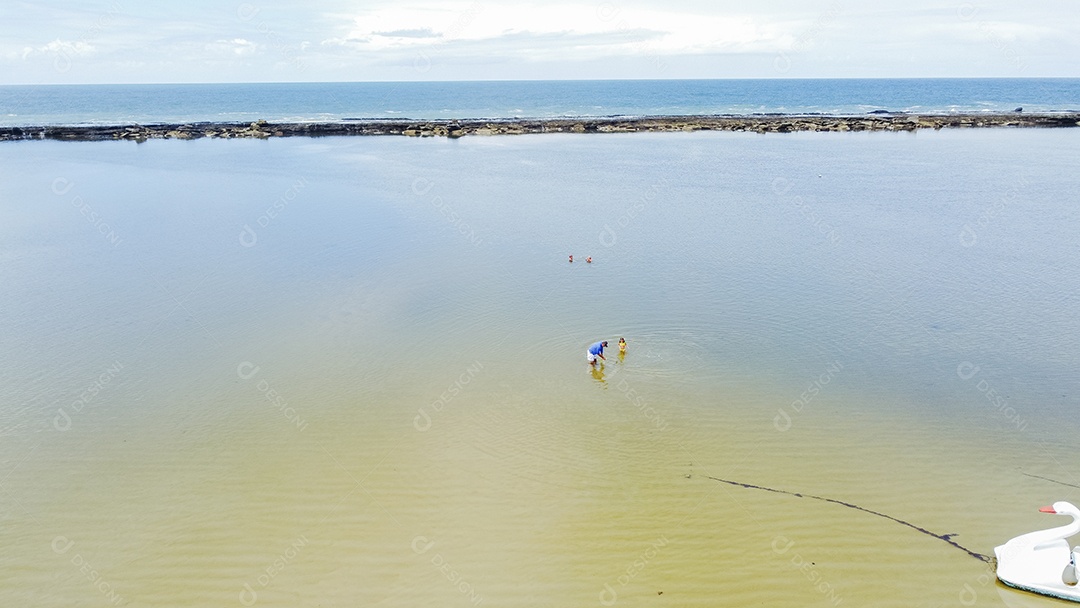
(875, 121)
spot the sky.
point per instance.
(148, 41)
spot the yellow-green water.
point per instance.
(382, 397)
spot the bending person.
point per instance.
(596, 350)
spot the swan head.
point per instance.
(1062, 508)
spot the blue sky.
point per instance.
(131, 41)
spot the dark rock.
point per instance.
(759, 123)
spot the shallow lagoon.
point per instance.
(348, 371)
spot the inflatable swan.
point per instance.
(1042, 561)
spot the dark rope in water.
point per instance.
(945, 537)
(1060, 483)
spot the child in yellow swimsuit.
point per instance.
(622, 345)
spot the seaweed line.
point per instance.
(1060, 483)
(945, 537)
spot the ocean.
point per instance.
(177, 103)
(351, 371)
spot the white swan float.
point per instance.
(1042, 561)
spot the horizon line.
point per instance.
(252, 82)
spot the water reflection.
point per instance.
(597, 371)
(1012, 598)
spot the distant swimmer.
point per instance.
(588, 260)
(596, 350)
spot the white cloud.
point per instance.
(466, 39)
(667, 32)
(462, 37)
(1010, 31)
(237, 46)
(64, 48)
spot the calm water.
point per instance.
(345, 372)
(112, 104)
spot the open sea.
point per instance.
(176, 103)
(351, 371)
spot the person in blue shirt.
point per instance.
(596, 350)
